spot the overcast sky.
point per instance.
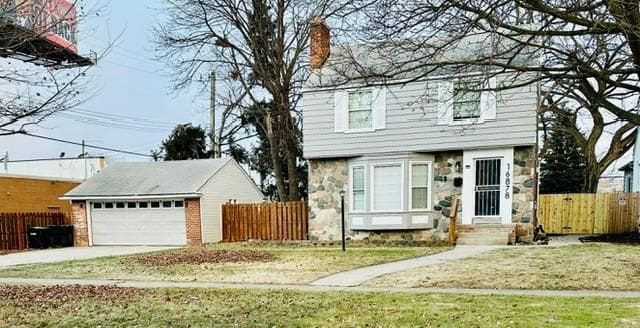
(129, 83)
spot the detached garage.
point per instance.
(158, 203)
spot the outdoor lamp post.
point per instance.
(342, 210)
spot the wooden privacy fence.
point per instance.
(612, 213)
(265, 221)
(14, 226)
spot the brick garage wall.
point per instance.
(80, 225)
(19, 194)
(193, 222)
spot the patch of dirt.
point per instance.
(203, 256)
(632, 239)
(48, 295)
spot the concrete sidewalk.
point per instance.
(358, 276)
(308, 288)
(72, 253)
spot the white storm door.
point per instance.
(488, 186)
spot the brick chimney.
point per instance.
(319, 43)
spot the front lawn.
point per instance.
(233, 263)
(118, 307)
(588, 266)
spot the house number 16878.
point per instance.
(507, 182)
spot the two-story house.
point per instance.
(401, 152)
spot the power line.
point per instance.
(79, 143)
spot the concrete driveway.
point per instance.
(72, 253)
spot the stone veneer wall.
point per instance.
(326, 179)
(444, 190)
(524, 188)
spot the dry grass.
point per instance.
(288, 265)
(589, 266)
(259, 308)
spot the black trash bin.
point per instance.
(55, 237)
(66, 235)
(38, 237)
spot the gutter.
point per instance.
(131, 197)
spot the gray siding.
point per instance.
(411, 124)
(231, 182)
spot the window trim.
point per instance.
(351, 200)
(347, 111)
(403, 185)
(429, 186)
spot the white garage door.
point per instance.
(138, 222)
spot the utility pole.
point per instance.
(212, 116)
(84, 159)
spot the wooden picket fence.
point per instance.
(14, 227)
(610, 213)
(265, 221)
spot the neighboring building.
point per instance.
(404, 151)
(628, 177)
(58, 168)
(611, 183)
(34, 194)
(158, 203)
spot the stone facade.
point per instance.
(80, 225)
(326, 179)
(524, 186)
(193, 222)
(447, 184)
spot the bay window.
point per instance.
(358, 188)
(420, 185)
(387, 187)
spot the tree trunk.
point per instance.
(292, 159)
(275, 158)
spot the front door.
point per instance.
(487, 186)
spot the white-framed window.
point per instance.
(178, 203)
(360, 109)
(466, 101)
(387, 187)
(143, 204)
(420, 184)
(97, 205)
(358, 188)
(108, 205)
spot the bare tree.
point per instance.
(535, 41)
(38, 79)
(565, 117)
(261, 46)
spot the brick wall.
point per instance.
(33, 195)
(193, 222)
(80, 226)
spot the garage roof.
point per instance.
(148, 179)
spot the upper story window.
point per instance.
(360, 109)
(466, 103)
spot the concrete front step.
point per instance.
(483, 238)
